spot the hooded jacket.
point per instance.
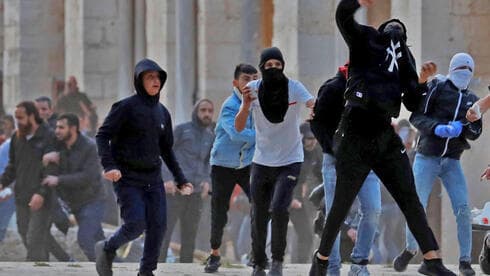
(137, 134)
(193, 142)
(382, 70)
(328, 110)
(444, 103)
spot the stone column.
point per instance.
(219, 48)
(139, 37)
(185, 59)
(33, 49)
(305, 33)
(92, 49)
(250, 31)
(125, 50)
(160, 34)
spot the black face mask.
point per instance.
(273, 77)
(273, 94)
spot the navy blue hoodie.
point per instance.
(137, 134)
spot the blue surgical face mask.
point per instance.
(461, 78)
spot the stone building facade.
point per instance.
(199, 42)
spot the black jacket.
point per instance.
(137, 133)
(328, 110)
(25, 164)
(378, 82)
(79, 179)
(442, 104)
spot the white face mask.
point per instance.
(461, 78)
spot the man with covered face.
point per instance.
(444, 134)
(276, 103)
(132, 142)
(382, 75)
(193, 142)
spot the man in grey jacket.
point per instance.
(193, 142)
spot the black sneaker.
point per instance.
(465, 269)
(401, 261)
(276, 268)
(258, 271)
(318, 267)
(103, 259)
(484, 258)
(150, 273)
(434, 267)
(212, 264)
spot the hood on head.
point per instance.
(270, 53)
(382, 27)
(461, 59)
(461, 70)
(143, 66)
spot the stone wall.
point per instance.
(33, 49)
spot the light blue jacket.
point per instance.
(232, 149)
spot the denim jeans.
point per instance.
(370, 206)
(426, 169)
(89, 218)
(7, 210)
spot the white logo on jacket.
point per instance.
(391, 51)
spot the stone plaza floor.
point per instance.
(126, 269)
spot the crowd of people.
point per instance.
(240, 183)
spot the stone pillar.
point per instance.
(160, 33)
(305, 33)
(92, 49)
(33, 49)
(250, 31)
(185, 59)
(125, 50)
(139, 37)
(219, 48)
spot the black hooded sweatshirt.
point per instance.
(382, 71)
(137, 134)
(328, 110)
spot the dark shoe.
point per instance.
(484, 258)
(103, 259)
(276, 269)
(212, 264)
(148, 273)
(434, 267)
(318, 267)
(465, 269)
(401, 261)
(258, 271)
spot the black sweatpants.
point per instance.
(223, 180)
(272, 192)
(363, 143)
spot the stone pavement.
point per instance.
(127, 269)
